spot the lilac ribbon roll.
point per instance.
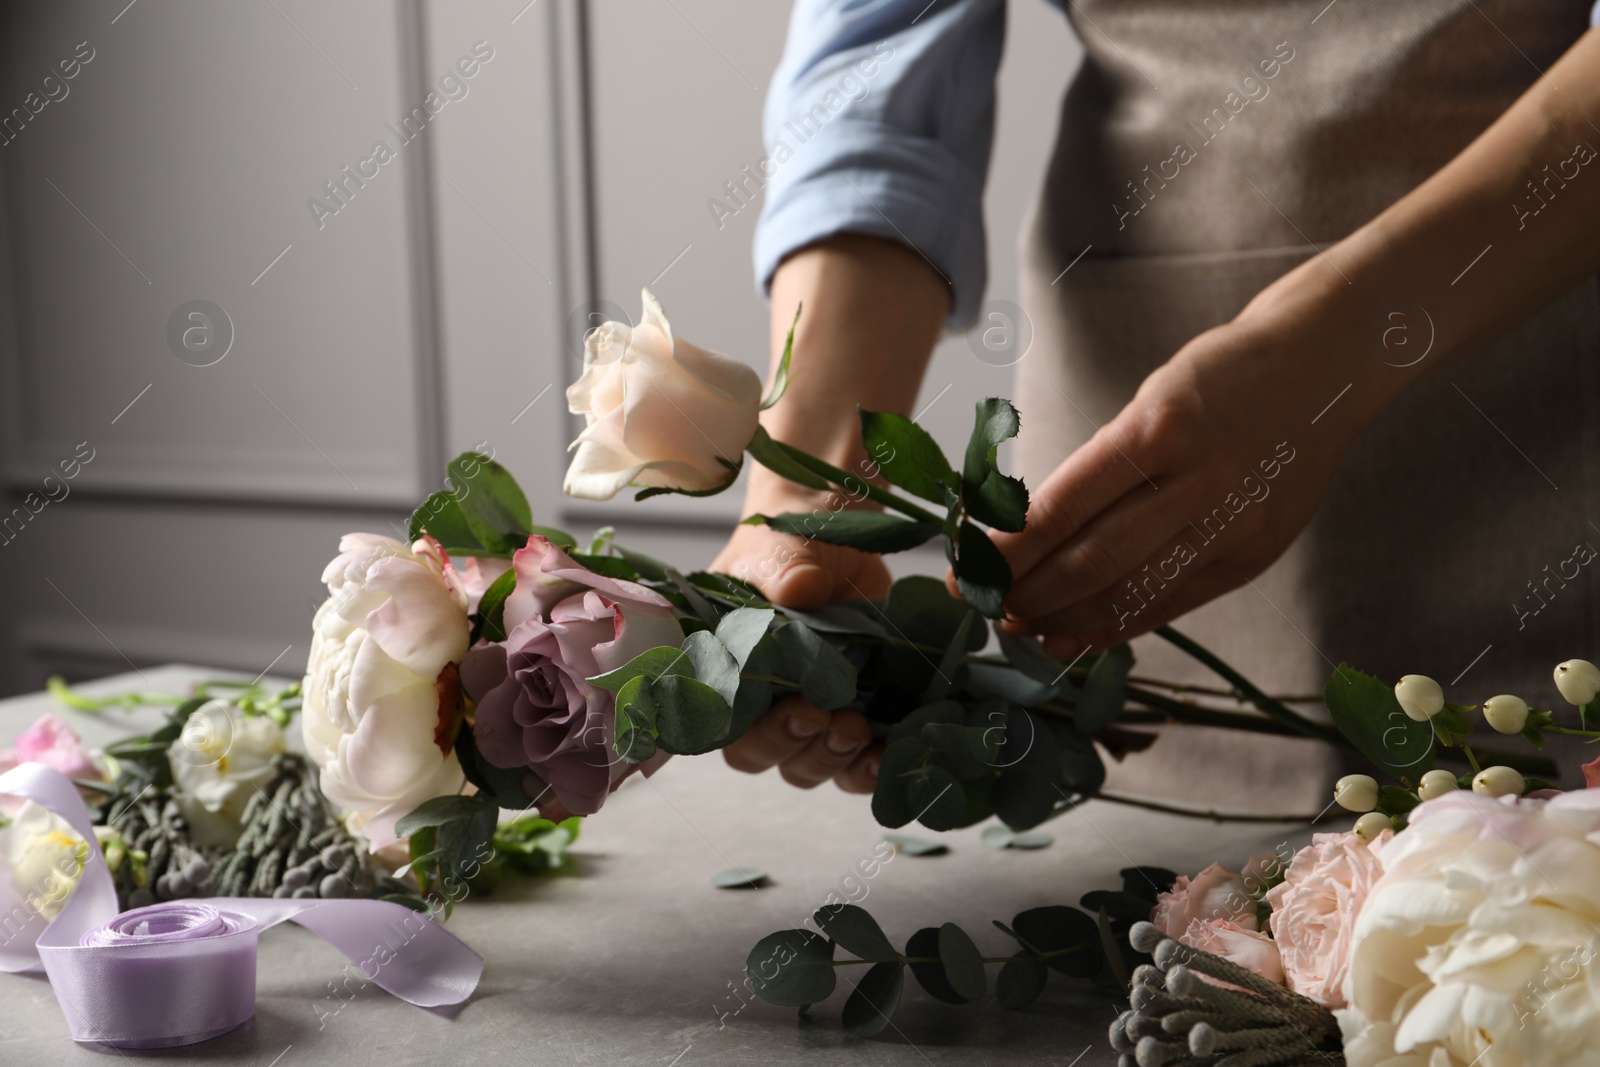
(185, 971)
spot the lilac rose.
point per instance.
(536, 707)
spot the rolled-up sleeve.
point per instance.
(880, 121)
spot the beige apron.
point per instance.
(1205, 148)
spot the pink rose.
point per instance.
(1591, 773)
(52, 742)
(1214, 893)
(1249, 948)
(536, 707)
(478, 575)
(1314, 911)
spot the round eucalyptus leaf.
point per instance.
(857, 932)
(1003, 837)
(924, 945)
(739, 878)
(1020, 982)
(871, 1006)
(1054, 928)
(963, 963)
(916, 846)
(936, 798)
(791, 968)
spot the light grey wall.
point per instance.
(436, 310)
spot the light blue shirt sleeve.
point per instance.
(880, 121)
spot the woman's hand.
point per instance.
(1193, 489)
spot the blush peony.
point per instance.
(382, 693)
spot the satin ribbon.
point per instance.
(185, 971)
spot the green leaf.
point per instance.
(876, 532)
(936, 798)
(662, 490)
(780, 375)
(916, 846)
(1026, 792)
(647, 566)
(951, 672)
(940, 711)
(1020, 982)
(739, 878)
(827, 680)
(924, 944)
(727, 587)
(982, 573)
(1056, 927)
(437, 812)
(987, 680)
(875, 999)
(922, 610)
(1104, 691)
(1393, 800)
(850, 617)
(963, 963)
(779, 459)
(652, 663)
(636, 720)
(502, 785)
(492, 502)
(1082, 769)
(441, 517)
(988, 495)
(742, 629)
(560, 538)
(791, 968)
(1367, 713)
(713, 663)
(965, 751)
(908, 456)
(1027, 655)
(891, 802)
(606, 566)
(855, 931)
(691, 717)
(492, 606)
(1002, 837)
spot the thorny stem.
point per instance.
(1192, 813)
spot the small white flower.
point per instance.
(1578, 680)
(218, 763)
(1505, 713)
(1420, 696)
(1436, 784)
(1499, 782)
(47, 858)
(1370, 825)
(1356, 792)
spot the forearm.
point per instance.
(1473, 250)
(873, 310)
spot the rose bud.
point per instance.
(1506, 714)
(1578, 680)
(1499, 782)
(1420, 696)
(1436, 784)
(1370, 825)
(1356, 792)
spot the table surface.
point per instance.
(631, 957)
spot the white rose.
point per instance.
(1477, 945)
(382, 692)
(219, 762)
(46, 857)
(660, 411)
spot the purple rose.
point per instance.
(536, 707)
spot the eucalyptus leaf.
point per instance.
(924, 945)
(940, 711)
(856, 931)
(936, 798)
(827, 680)
(503, 785)
(739, 878)
(792, 968)
(1054, 928)
(1027, 655)
(875, 999)
(651, 663)
(437, 812)
(989, 680)
(844, 618)
(963, 963)
(713, 663)
(965, 751)
(916, 846)
(891, 801)
(1020, 982)
(951, 672)
(1104, 691)
(742, 629)
(1001, 837)
(636, 729)
(691, 717)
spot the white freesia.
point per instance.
(382, 692)
(222, 758)
(659, 411)
(46, 857)
(1477, 945)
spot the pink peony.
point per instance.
(52, 742)
(1314, 911)
(536, 707)
(1249, 948)
(1216, 893)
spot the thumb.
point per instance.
(788, 570)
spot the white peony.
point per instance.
(1477, 945)
(221, 760)
(658, 410)
(382, 692)
(46, 857)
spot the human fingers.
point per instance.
(831, 754)
(862, 775)
(781, 734)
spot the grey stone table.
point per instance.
(632, 958)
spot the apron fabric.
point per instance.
(1184, 180)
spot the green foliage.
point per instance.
(780, 376)
(492, 607)
(875, 999)
(988, 495)
(1368, 715)
(825, 678)
(1104, 691)
(908, 456)
(855, 931)
(491, 502)
(792, 968)
(982, 573)
(868, 531)
(739, 878)
(504, 786)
